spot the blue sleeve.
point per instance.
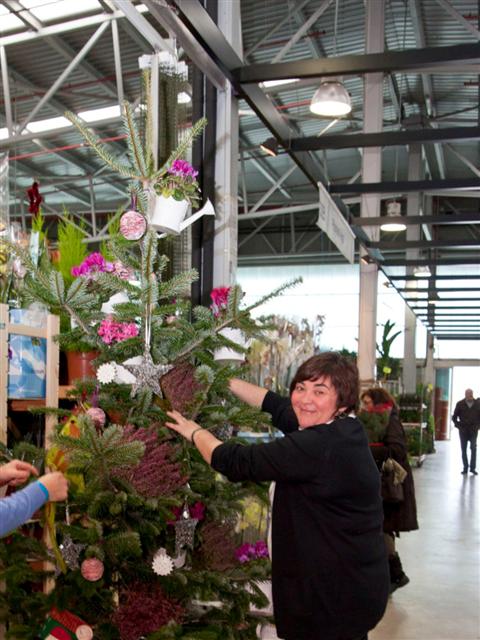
(19, 507)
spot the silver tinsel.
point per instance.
(184, 531)
(147, 375)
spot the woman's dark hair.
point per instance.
(379, 396)
(343, 374)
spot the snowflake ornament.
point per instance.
(162, 564)
(106, 372)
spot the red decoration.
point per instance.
(34, 198)
(92, 569)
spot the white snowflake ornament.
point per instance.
(106, 372)
(162, 564)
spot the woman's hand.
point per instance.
(181, 425)
(16, 472)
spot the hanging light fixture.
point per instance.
(270, 146)
(394, 210)
(331, 98)
(422, 272)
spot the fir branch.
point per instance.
(100, 149)
(133, 140)
(274, 294)
(182, 148)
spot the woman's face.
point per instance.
(367, 403)
(314, 402)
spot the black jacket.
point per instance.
(329, 570)
(465, 416)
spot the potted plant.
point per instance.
(176, 189)
(219, 305)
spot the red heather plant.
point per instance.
(144, 608)
(157, 474)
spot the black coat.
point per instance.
(465, 417)
(401, 516)
(329, 571)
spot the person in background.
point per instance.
(466, 419)
(399, 516)
(20, 506)
(329, 570)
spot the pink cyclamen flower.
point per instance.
(183, 169)
(219, 297)
(92, 264)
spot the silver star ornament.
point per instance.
(147, 375)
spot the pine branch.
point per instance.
(182, 148)
(133, 140)
(100, 149)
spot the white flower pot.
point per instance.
(117, 298)
(167, 214)
(123, 376)
(224, 353)
(266, 587)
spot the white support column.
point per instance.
(370, 203)
(414, 205)
(226, 165)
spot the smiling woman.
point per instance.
(329, 569)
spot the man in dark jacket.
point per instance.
(466, 418)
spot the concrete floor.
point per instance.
(442, 558)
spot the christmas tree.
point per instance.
(146, 546)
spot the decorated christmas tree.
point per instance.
(146, 546)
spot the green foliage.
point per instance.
(387, 367)
(375, 424)
(71, 247)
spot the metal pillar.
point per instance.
(370, 203)
(226, 164)
(414, 206)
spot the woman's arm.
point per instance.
(247, 392)
(205, 442)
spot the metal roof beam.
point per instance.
(406, 186)
(440, 219)
(383, 138)
(436, 277)
(411, 60)
(423, 244)
(202, 27)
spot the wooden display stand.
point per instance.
(49, 331)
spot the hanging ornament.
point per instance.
(19, 269)
(184, 530)
(98, 416)
(106, 372)
(71, 551)
(35, 199)
(133, 225)
(147, 374)
(224, 432)
(92, 569)
(162, 564)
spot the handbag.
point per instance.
(392, 487)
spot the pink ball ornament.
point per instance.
(92, 569)
(98, 416)
(133, 225)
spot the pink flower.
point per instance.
(111, 331)
(196, 510)
(183, 169)
(93, 264)
(219, 297)
(247, 551)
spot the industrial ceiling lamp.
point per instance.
(422, 272)
(270, 146)
(394, 210)
(331, 98)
